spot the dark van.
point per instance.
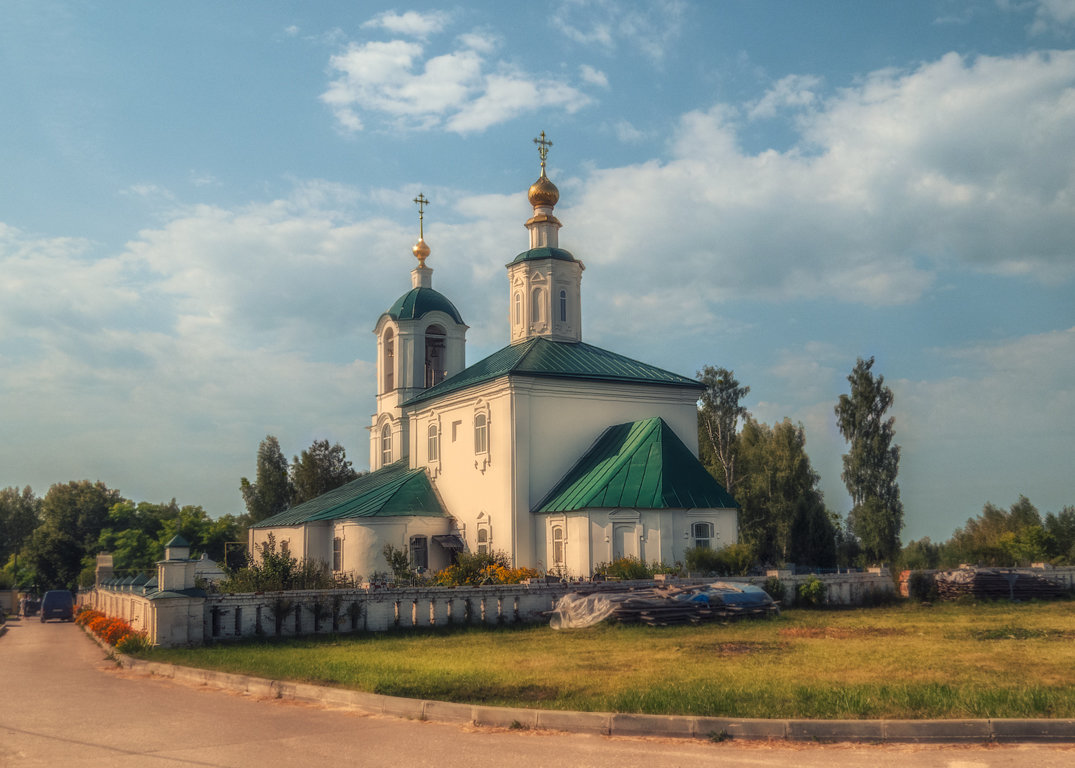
(58, 604)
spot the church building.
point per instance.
(561, 454)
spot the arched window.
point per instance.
(433, 443)
(483, 541)
(435, 341)
(557, 545)
(518, 308)
(563, 306)
(419, 552)
(386, 445)
(481, 433)
(535, 305)
(702, 533)
(389, 361)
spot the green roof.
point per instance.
(419, 301)
(542, 357)
(535, 254)
(392, 491)
(177, 541)
(639, 465)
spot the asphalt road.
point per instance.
(63, 703)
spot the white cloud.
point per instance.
(650, 27)
(793, 91)
(412, 23)
(954, 164)
(593, 76)
(627, 133)
(1053, 14)
(460, 90)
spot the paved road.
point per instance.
(63, 703)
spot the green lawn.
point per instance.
(948, 661)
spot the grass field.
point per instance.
(908, 661)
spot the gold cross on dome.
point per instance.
(422, 203)
(543, 149)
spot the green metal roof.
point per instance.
(419, 301)
(177, 541)
(638, 465)
(543, 357)
(535, 254)
(392, 491)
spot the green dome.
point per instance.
(534, 254)
(420, 301)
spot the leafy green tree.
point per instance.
(782, 512)
(1060, 528)
(872, 462)
(320, 468)
(20, 514)
(718, 419)
(1001, 538)
(270, 493)
(921, 554)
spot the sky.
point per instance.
(206, 206)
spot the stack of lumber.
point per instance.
(995, 584)
(662, 607)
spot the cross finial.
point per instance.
(422, 203)
(543, 150)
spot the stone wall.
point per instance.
(186, 620)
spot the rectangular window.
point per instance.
(481, 433)
(433, 446)
(702, 533)
(419, 552)
(483, 541)
(337, 554)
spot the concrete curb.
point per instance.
(616, 724)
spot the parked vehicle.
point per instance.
(58, 604)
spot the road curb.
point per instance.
(978, 731)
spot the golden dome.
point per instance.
(543, 193)
(421, 251)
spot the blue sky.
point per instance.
(206, 206)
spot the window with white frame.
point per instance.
(337, 554)
(518, 308)
(386, 445)
(483, 541)
(481, 433)
(563, 306)
(433, 442)
(702, 534)
(557, 545)
(536, 302)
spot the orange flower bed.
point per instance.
(108, 629)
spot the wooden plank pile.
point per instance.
(995, 584)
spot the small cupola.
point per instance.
(545, 281)
(177, 548)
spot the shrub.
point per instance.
(624, 568)
(732, 560)
(922, 587)
(476, 568)
(133, 642)
(775, 588)
(276, 571)
(811, 593)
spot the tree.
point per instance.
(782, 511)
(20, 514)
(270, 493)
(79, 509)
(1061, 531)
(872, 463)
(718, 419)
(996, 537)
(318, 470)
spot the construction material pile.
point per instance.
(995, 584)
(662, 606)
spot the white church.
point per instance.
(558, 453)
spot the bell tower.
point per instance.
(421, 341)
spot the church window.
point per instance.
(435, 342)
(535, 305)
(386, 445)
(481, 433)
(433, 442)
(389, 361)
(419, 552)
(285, 547)
(483, 541)
(702, 533)
(518, 308)
(337, 554)
(557, 545)
(563, 306)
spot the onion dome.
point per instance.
(421, 252)
(543, 193)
